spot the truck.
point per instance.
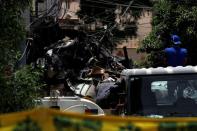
(72, 104)
(160, 92)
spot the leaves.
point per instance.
(12, 30)
(19, 88)
(171, 17)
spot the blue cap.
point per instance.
(176, 39)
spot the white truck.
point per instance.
(161, 92)
(71, 104)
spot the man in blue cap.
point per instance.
(175, 55)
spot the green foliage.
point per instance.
(19, 91)
(12, 29)
(150, 43)
(171, 17)
(19, 87)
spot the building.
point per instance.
(144, 27)
(67, 16)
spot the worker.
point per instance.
(175, 55)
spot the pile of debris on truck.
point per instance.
(77, 64)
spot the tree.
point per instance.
(171, 17)
(18, 86)
(12, 29)
(20, 90)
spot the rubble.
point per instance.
(79, 66)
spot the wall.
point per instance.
(69, 9)
(144, 27)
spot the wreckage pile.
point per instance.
(79, 64)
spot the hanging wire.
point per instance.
(114, 26)
(120, 4)
(65, 11)
(28, 42)
(46, 13)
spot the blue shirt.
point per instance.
(176, 56)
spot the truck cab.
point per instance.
(162, 91)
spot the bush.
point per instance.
(19, 91)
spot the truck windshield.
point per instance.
(168, 92)
(167, 95)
